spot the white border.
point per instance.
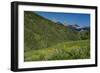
(22, 64)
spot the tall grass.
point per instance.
(62, 51)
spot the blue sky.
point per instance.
(70, 18)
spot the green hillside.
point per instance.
(43, 37)
(43, 33)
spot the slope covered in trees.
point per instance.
(42, 33)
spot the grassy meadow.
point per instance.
(62, 51)
(45, 40)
